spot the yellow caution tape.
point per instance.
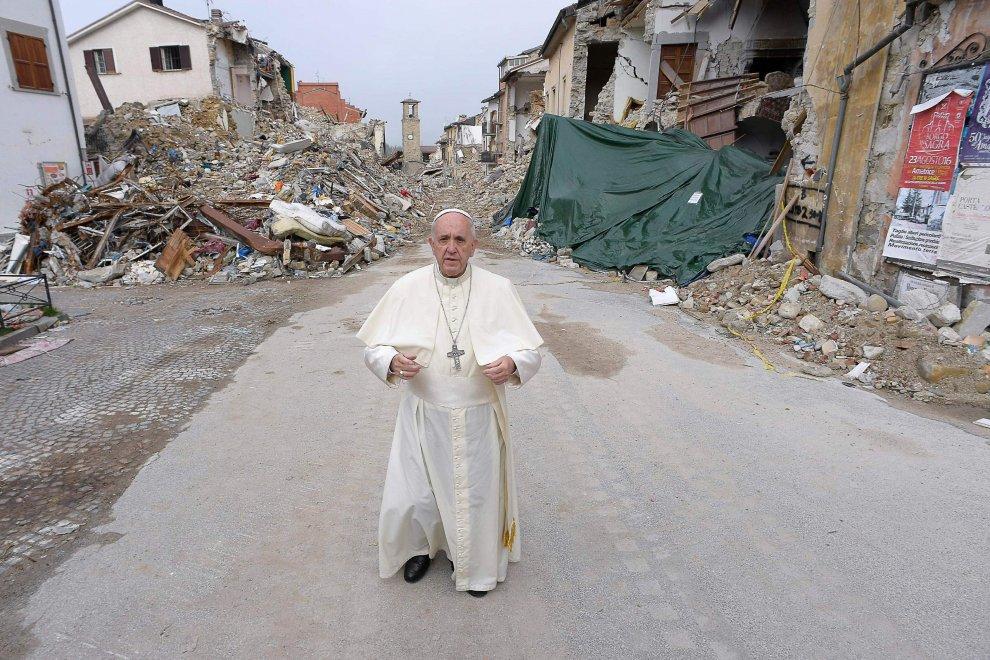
(780, 292)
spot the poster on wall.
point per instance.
(916, 227)
(975, 149)
(965, 247)
(52, 173)
(933, 147)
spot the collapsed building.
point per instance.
(146, 52)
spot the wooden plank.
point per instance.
(101, 93)
(355, 228)
(176, 255)
(253, 239)
(776, 223)
(102, 245)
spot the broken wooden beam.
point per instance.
(102, 245)
(252, 239)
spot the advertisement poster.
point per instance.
(933, 147)
(975, 149)
(965, 247)
(52, 173)
(916, 228)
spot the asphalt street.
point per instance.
(676, 500)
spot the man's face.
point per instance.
(453, 243)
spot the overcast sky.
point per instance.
(443, 52)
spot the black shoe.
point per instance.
(416, 568)
(477, 594)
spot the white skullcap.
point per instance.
(446, 211)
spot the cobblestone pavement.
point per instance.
(80, 421)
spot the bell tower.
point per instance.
(412, 154)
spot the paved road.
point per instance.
(676, 500)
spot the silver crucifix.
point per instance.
(455, 355)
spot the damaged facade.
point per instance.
(462, 140)
(521, 80)
(147, 52)
(327, 97)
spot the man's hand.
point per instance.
(404, 366)
(500, 370)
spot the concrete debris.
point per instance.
(945, 314)
(876, 303)
(281, 188)
(789, 310)
(725, 262)
(837, 289)
(921, 299)
(811, 323)
(975, 319)
(831, 333)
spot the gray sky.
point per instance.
(443, 52)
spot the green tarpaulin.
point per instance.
(622, 198)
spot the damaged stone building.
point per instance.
(147, 52)
(521, 79)
(863, 103)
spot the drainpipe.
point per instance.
(68, 90)
(845, 81)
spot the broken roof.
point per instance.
(562, 15)
(128, 8)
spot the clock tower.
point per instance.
(412, 154)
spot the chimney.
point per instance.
(160, 3)
(216, 15)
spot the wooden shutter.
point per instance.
(90, 59)
(185, 61)
(30, 62)
(108, 60)
(156, 58)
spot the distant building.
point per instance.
(521, 80)
(42, 138)
(462, 139)
(412, 151)
(147, 52)
(326, 96)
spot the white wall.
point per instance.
(130, 37)
(632, 74)
(37, 126)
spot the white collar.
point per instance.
(452, 281)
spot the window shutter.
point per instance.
(108, 60)
(185, 61)
(42, 74)
(90, 59)
(156, 58)
(30, 62)
(22, 60)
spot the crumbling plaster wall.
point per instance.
(632, 68)
(586, 31)
(947, 25)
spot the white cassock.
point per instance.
(450, 483)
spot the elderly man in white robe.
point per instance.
(456, 335)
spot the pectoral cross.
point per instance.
(455, 355)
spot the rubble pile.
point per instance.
(481, 189)
(925, 348)
(207, 189)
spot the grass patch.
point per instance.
(5, 331)
(49, 311)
